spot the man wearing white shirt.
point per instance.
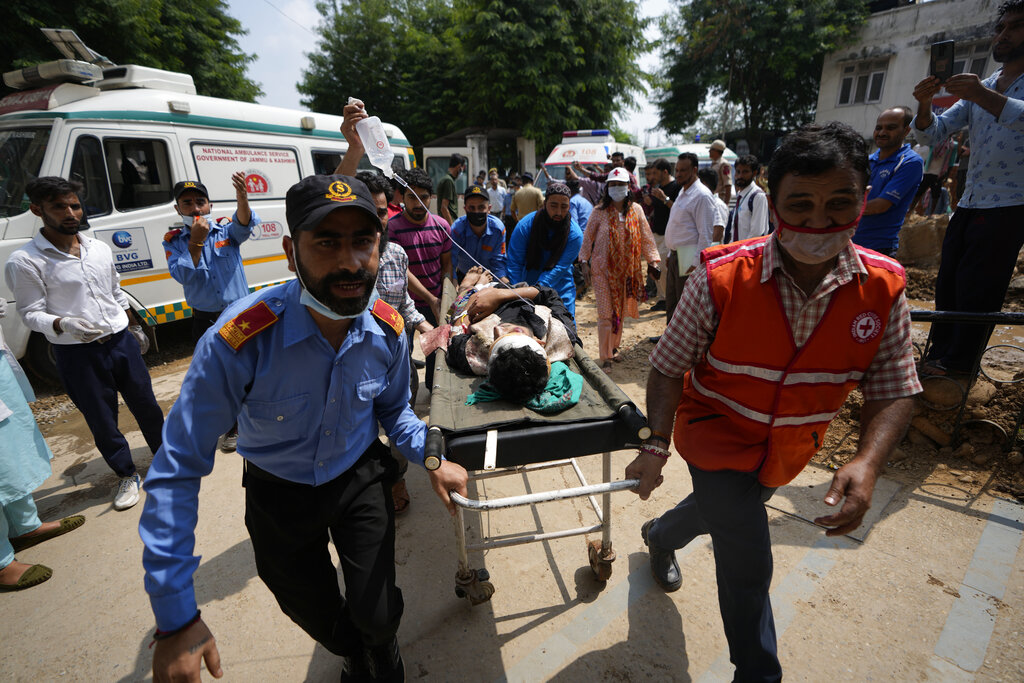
(750, 217)
(496, 192)
(690, 227)
(710, 180)
(65, 287)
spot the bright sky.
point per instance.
(281, 32)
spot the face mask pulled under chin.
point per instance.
(189, 220)
(812, 246)
(307, 299)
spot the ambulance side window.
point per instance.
(139, 172)
(87, 167)
(324, 163)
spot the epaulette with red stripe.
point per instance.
(171, 234)
(387, 314)
(247, 324)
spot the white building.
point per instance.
(880, 71)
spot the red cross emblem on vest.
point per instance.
(865, 327)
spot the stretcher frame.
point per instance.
(477, 451)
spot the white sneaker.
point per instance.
(127, 492)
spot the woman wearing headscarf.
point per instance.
(618, 237)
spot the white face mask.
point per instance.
(811, 248)
(188, 220)
(307, 299)
(618, 192)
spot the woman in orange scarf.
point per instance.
(616, 239)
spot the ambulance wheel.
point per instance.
(41, 360)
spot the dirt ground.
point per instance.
(846, 609)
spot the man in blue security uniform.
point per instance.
(896, 171)
(204, 257)
(480, 234)
(309, 367)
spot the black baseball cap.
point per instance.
(189, 185)
(310, 200)
(476, 191)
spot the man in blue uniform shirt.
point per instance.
(480, 234)
(204, 257)
(896, 171)
(309, 368)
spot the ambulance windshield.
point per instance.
(21, 157)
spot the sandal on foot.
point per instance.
(400, 496)
(67, 524)
(33, 576)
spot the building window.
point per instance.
(862, 83)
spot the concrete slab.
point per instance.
(804, 497)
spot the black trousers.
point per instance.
(729, 506)
(432, 319)
(93, 374)
(290, 525)
(979, 254)
(201, 322)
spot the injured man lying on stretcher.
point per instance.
(518, 338)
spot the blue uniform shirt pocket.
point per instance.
(273, 422)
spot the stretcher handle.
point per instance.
(635, 421)
(543, 496)
(434, 444)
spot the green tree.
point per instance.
(197, 37)
(763, 55)
(400, 57)
(545, 67)
(434, 66)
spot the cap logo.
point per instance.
(340, 192)
(189, 183)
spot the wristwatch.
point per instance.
(431, 463)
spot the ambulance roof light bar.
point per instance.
(72, 47)
(587, 133)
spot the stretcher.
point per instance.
(501, 438)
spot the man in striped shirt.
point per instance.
(768, 339)
(425, 237)
(427, 240)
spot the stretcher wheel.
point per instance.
(473, 584)
(600, 560)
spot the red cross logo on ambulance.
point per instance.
(865, 327)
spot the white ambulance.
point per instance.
(128, 134)
(592, 147)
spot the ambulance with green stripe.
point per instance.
(128, 134)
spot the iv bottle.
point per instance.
(375, 142)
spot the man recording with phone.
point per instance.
(986, 231)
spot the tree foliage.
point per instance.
(434, 66)
(197, 37)
(764, 55)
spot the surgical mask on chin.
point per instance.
(618, 193)
(812, 246)
(189, 220)
(307, 299)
